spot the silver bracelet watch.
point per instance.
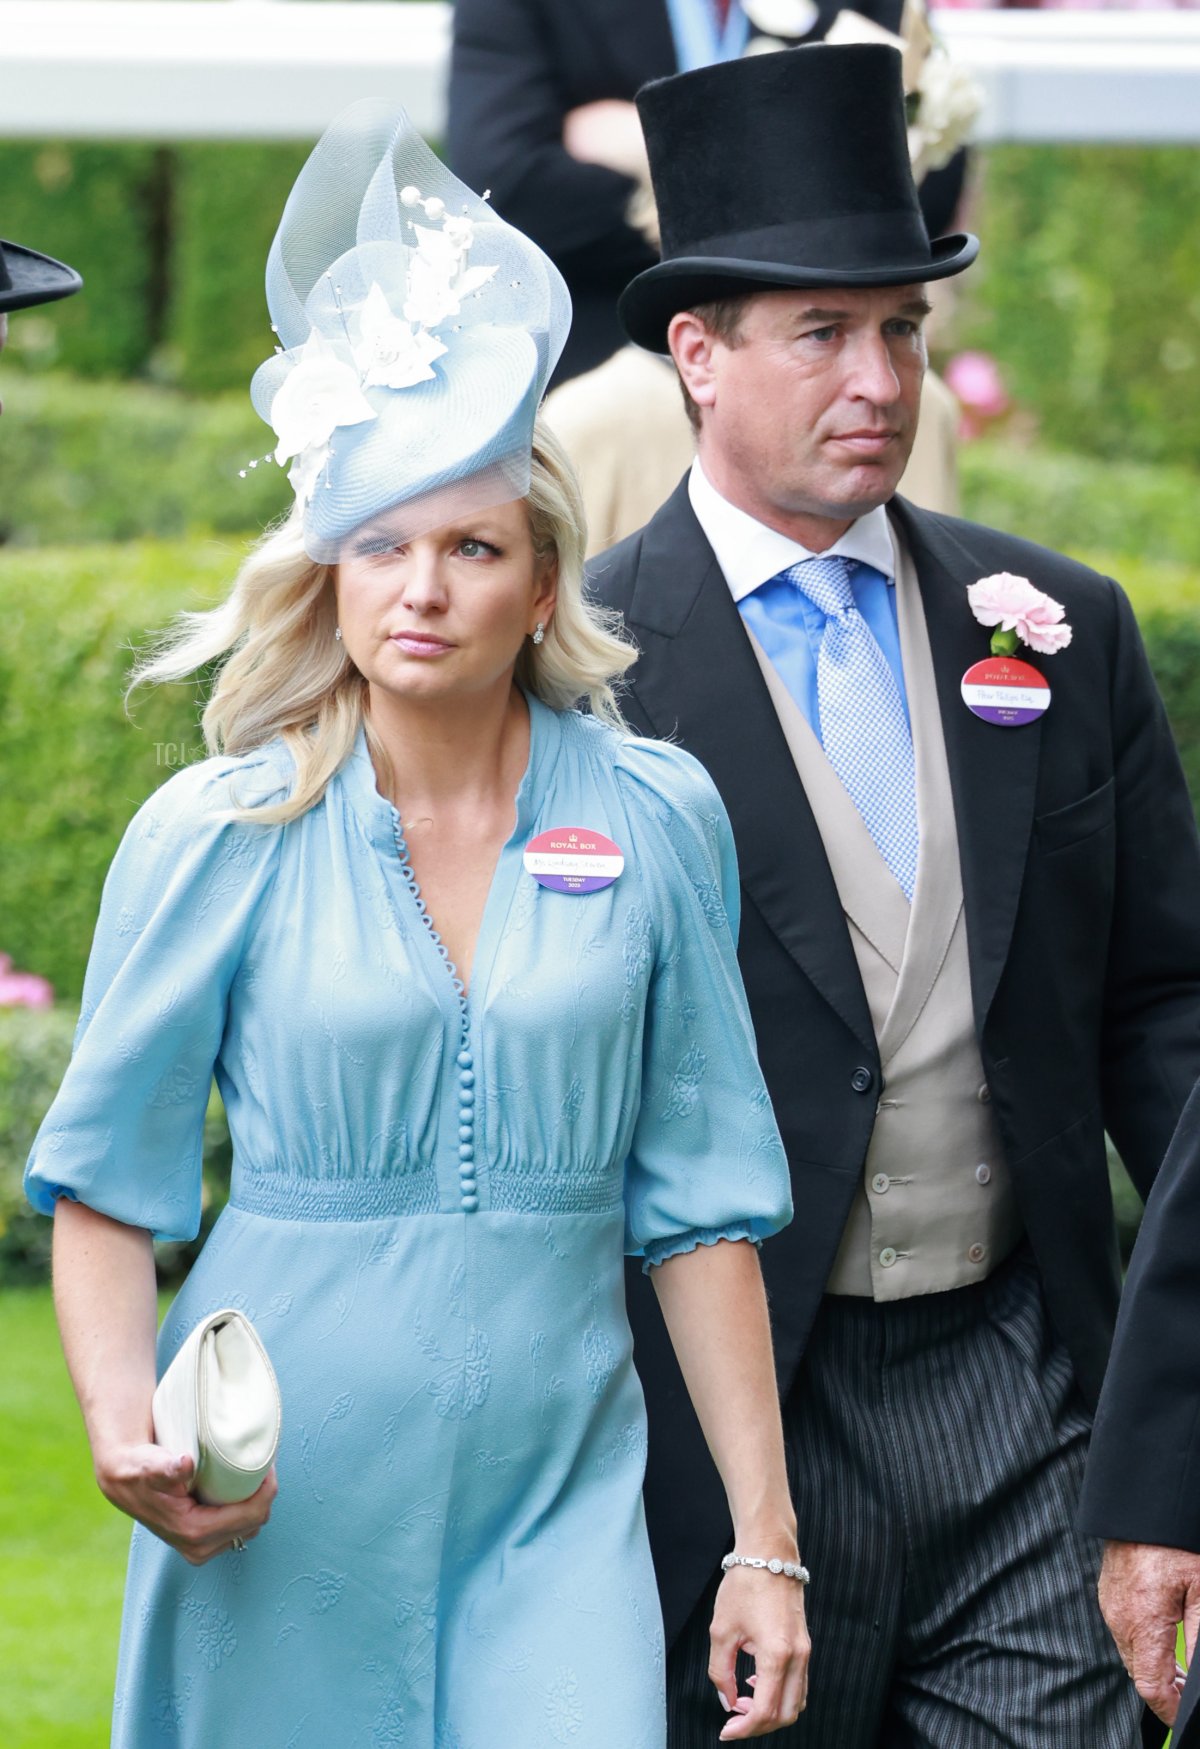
(789, 1569)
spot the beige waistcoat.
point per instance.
(936, 1208)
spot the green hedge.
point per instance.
(1085, 292)
(75, 768)
(101, 208)
(83, 462)
(171, 242)
(227, 203)
(1078, 504)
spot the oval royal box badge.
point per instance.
(1005, 691)
(573, 859)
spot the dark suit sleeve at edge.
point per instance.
(1143, 1477)
(506, 109)
(1151, 1031)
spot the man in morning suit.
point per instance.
(1142, 1490)
(970, 945)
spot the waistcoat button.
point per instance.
(977, 1253)
(984, 1096)
(887, 1257)
(862, 1080)
(983, 1173)
(880, 1183)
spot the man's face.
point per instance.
(812, 413)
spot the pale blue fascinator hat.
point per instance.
(416, 332)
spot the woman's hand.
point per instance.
(151, 1485)
(716, 1312)
(104, 1291)
(762, 1614)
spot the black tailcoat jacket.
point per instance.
(1081, 885)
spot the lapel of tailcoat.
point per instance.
(698, 680)
(993, 771)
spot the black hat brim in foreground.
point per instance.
(649, 302)
(28, 278)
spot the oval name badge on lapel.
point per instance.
(573, 859)
(1005, 691)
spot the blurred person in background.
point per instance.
(27, 278)
(541, 110)
(970, 937)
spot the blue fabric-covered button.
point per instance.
(466, 1078)
(466, 1132)
(466, 1099)
(470, 1203)
(466, 1150)
(464, 1059)
(468, 1186)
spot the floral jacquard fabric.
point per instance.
(457, 1558)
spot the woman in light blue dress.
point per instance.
(459, 1086)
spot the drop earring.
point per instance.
(538, 633)
(337, 634)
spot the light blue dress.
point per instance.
(431, 1198)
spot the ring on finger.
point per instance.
(238, 1544)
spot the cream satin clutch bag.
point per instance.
(219, 1400)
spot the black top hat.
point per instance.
(787, 169)
(29, 278)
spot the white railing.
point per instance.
(276, 69)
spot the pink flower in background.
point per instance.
(1013, 604)
(975, 379)
(22, 989)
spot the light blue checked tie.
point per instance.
(864, 726)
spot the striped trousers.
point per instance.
(936, 1448)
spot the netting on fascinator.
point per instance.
(416, 334)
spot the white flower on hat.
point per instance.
(460, 231)
(318, 394)
(390, 355)
(305, 471)
(438, 277)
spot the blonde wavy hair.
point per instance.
(282, 673)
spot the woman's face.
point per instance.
(444, 614)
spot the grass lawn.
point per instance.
(62, 1547)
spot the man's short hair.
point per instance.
(723, 319)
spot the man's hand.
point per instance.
(607, 132)
(1145, 1592)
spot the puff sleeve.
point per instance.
(706, 1162)
(125, 1132)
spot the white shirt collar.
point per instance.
(749, 552)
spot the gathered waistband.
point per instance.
(286, 1196)
(289, 1196)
